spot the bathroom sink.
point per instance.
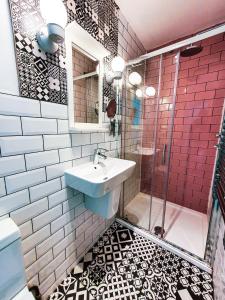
(96, 180)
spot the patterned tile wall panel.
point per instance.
(43, 76)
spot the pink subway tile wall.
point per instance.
(199, 103)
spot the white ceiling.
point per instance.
(157, 22)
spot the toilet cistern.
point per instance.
(13, 284)
(98, 154)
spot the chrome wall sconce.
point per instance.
(55, 15)
(117, 65)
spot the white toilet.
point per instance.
(12, 271)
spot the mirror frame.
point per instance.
(77, 37)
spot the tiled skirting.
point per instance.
(124, 265)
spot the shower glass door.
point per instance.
(149, 142)
(174, 146)
(135, 209)
(168, 71)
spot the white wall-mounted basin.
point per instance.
(98, 180)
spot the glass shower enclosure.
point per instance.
(169, 192)
(148, 142)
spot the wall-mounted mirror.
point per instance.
(85, 79)
(85, 86)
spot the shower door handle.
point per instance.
(164, 154)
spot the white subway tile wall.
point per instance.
(60, 197)
(20, 145)
(10, 126)
(29, 259)
(57, 170)
(36, 148)
(45, 189)
(63, 126)
(57, 141)
(23, 107)
(49, 243)
(54, 111)
(2, 187)
(13, 201)
(47, 217)
(29, 211)
(41, 159)
(33, 126)
(26, 229)
(12, 165)
(69, 154)
(79, 139)
(24, 180)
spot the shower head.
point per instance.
(191, 50)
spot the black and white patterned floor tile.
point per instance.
(124, 265)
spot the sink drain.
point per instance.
(105, 178)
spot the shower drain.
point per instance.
(158, 230)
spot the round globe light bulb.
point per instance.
(150, 91)
(118, 64)
(54, 11)
(139, 93)
(135, 78)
